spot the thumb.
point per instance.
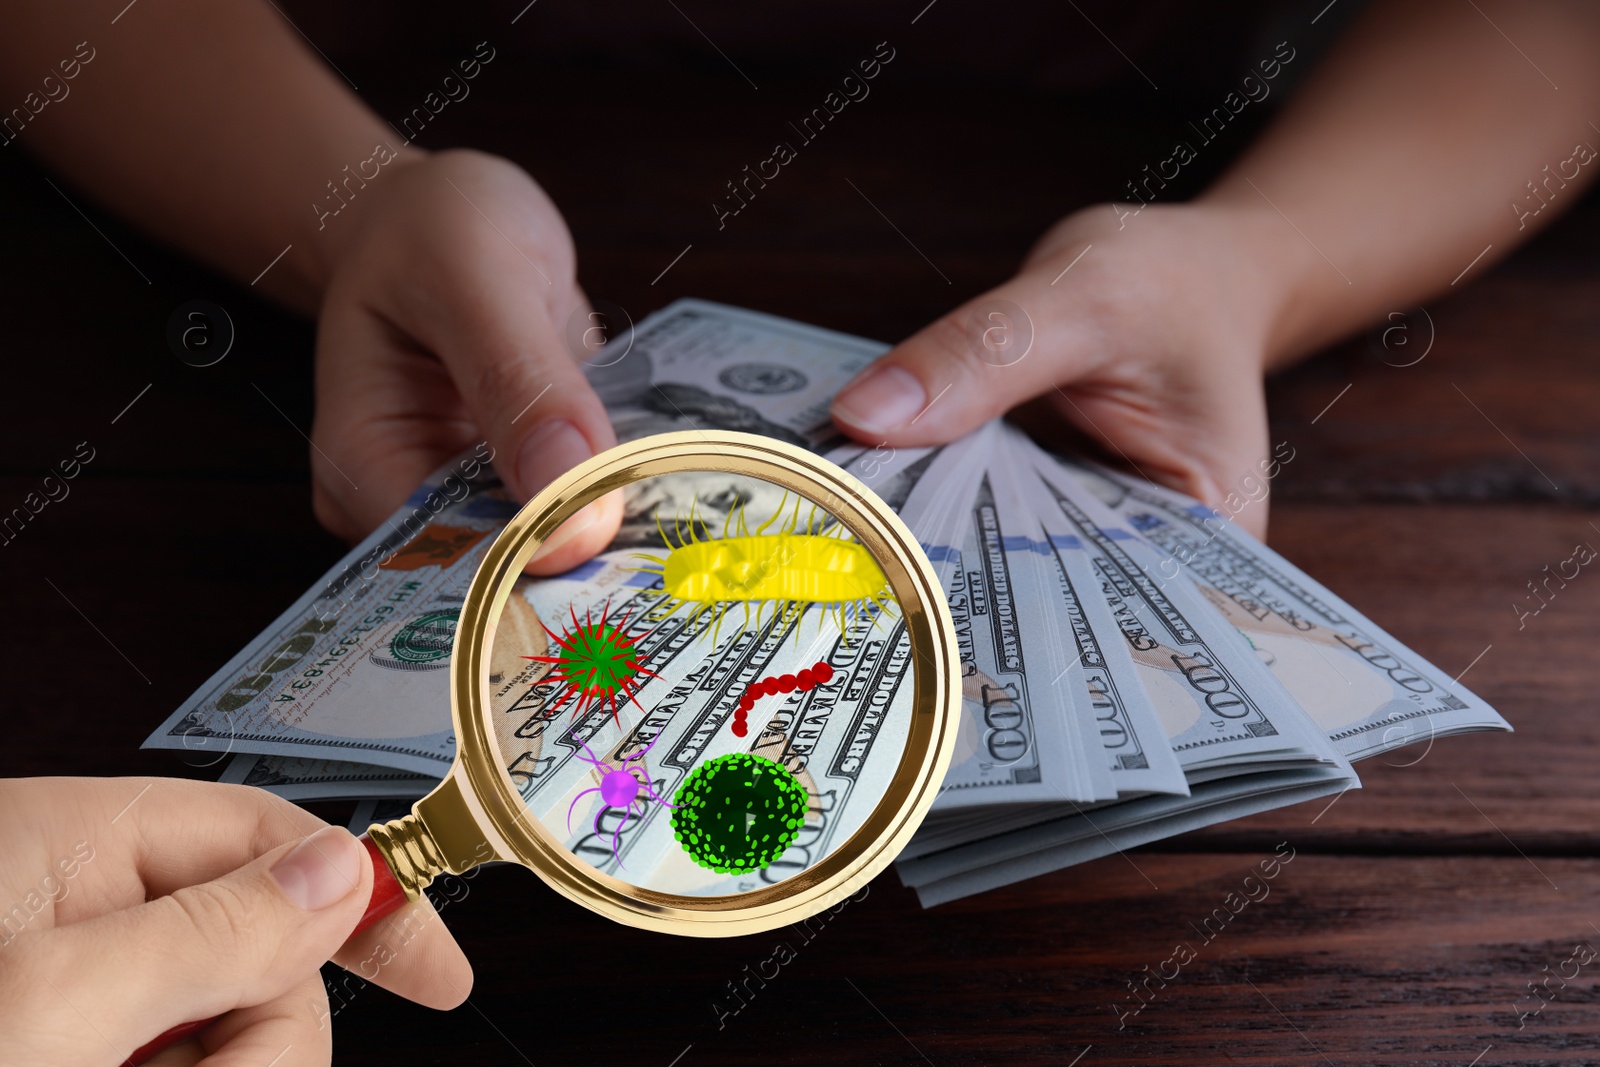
(966, 368)
(240, 940)
(528, 395)
(1230, 466)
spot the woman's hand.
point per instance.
(134, 904)
(1147, 331)
(444, 324)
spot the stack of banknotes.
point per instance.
(1134, 664)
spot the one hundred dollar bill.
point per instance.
(1225, 718)
(1014, 743)
(1026, 732)
(1364, 688)
(1119, 720)
(1220, 706)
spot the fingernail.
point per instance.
(321, 870)
(553, 449)
(568, 530)
(886, 399)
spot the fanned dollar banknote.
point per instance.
(1133, 664)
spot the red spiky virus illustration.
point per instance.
(595, 662)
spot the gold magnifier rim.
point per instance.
(935, 672)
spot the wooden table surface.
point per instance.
(1417, 909)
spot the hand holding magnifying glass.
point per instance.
(734, 721)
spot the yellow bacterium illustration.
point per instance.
(782, 563)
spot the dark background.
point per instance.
(1416, 910)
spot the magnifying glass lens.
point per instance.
(734, 716)
(714, 704)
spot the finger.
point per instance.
(412, 954)
(395, 418)
(966, 368)
(1232, 462)
(185, 1053)
(157, 838)
(239, 940)
(117, 842)
(291, 1030)
(497, 321)
(541, 419)
(1208, 438)
(580, 537)
(590, 530)
(529, 398)
(388, 416)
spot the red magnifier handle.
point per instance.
(387, 898)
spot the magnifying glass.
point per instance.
(728, 722)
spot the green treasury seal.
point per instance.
(426, 639)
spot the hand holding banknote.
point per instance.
(440, 329)
(220, 899)
(1147, 333)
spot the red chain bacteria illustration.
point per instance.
(819, 673)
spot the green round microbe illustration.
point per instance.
(598, 658)
(737, 813)
(426, 638)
